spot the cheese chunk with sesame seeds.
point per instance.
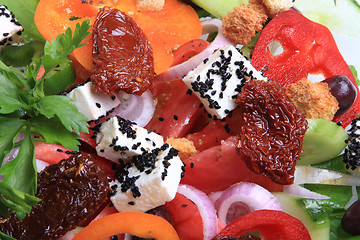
(149, 181)
(118, 138)
(90, 103)
(218, 80)
(10, 28)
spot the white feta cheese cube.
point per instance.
(218, 80)
(149, 181)
(90, 103)
(10, 28)
(118, 138)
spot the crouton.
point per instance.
(313, 100)
(149, 5)
(240, 24)
(185, 147)
(277, 6)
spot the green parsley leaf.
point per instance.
(67, 112)
(16, 199)
(5, 237)
(25, 108)
(9, 129)
(66, 42)
(54, 132)
(10, 100)
(59, 78)
(21, 172)
(23, 55)
(51, 63)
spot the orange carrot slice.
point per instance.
(167, 29)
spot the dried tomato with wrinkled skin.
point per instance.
(123, 57)
(70, 192)
(272, 130)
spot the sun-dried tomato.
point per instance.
(123, 57)
(70, 192)
(272, 130)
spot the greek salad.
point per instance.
(169, 119)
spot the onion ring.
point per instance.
(138, 109)
(242, 198)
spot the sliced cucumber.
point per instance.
(340, 16)
(319, 229)
(323, 141)
(219, 8)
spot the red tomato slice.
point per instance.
(211, 135)
(188, 50)
(185, 218)
(50, 153)
(218, 167)
(176, 112)
(54, 153)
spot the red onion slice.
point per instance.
(208, 26)
(214, 196)
(205, 206)
(138, 109)
(242, 198)
(299, 191)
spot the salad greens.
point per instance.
(28, 114)
(333, 208)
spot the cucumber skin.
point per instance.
(219, 8)
(323, 141)
(342, 17)
(319, 230)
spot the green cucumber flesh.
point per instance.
(319, 229)
(340, 16)
(219, 8)
(323, 141)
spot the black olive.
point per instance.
(351, 219)
(343, 90)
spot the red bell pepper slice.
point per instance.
(272, 224)
(308, 48)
